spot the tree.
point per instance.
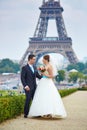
(78, 66)
(61, 76)
(86, 65)
(80, 76)
(8, 66)
(85, 78)
(85, 70)
(73, 76)
(81, 66)
(72, 66)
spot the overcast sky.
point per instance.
(18, 19)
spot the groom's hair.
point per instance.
(31, 56)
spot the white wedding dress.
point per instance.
(47, 100)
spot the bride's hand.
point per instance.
(45, 74)
(42, 73)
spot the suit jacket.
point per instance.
(28, 77)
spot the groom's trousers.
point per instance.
(29, 97)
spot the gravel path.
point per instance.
(76, 107)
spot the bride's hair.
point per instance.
(47, 57)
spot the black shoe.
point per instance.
(25, 116)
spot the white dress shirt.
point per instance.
(31, 66)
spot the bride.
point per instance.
(47, 101)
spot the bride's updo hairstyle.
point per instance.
(47, 57)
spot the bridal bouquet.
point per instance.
(42, 69)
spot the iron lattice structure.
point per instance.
(39, 44)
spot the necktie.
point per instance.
(32, 68)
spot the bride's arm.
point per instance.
(50, 72)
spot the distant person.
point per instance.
(47, 102)
(28, 79)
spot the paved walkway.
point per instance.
(76, 107)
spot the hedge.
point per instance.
(11, 106)
(83, 88)
(66, 92)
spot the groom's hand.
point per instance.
(27, 88)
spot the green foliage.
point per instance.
(66, 92)
(84, 88)
(73, 76)
(60, 76)
(81, 77)
(86, 65)
(8, 93)
(8, 66)
(85, 71)
(85, 78)
(72, 66)
(80, 67)
(11, 107)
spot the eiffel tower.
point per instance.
(39, 44)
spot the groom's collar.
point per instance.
(30, 65)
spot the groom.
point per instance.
(28, 79)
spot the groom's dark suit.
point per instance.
(28, 78)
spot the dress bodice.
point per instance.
(45, 76)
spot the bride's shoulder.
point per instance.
(50, 66)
